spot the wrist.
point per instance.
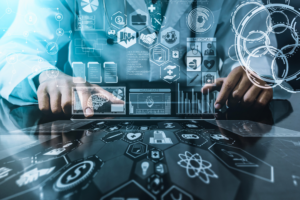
(48, 74)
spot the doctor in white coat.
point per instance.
(42, 29)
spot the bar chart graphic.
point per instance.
(194, 102)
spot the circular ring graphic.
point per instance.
(265, 49)
(200, 19)
(67, 180)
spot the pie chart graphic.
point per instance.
(89, 6)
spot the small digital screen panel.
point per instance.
(102, 103)
(150, 102)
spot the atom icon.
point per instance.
(196, 167)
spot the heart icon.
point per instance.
(133, 136)
(209, 64)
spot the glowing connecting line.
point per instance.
(257, 46)
(196, 167)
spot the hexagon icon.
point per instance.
(138, 19)
(137, 149)
(155, 155)
(113, 174)
(129, 191)
(159, 54)
(126, 37)
(170, 37)
(144, 168)
(148, 37)
(170, 73)
(192, 168)
(118, 20)
(242, 161)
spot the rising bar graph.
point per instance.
(194, 102)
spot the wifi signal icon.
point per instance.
(127, 37)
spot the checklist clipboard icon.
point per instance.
(110, 72)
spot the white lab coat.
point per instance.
(16, 80)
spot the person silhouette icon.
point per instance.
(209, 51)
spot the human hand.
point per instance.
(55, 95)
(237, 90)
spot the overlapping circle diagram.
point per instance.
(262, 45)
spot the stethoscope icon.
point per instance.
(193, 47)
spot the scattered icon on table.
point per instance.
(33, 175)
(169, 125)
(113, 136)
(144, 128)
(145, 166)
(159, 137)
(196, 167)
(75, 176)
(55, 152)
(219, 137)
(175, 193)
(132, 137)
(190, 136)
(137, 149)
(155, 184)
(155, 155)
(295, 178)
(124, 192)
(240, 161)
(192, 126)
(4, 172)
(161, 169)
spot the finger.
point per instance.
(66, 102)
(84, 94)
(43, 100)
(250, 96)
(55, 102)
(227, 87)
(112, 98)
(239, 92)
(212, 87)
(263, 99)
